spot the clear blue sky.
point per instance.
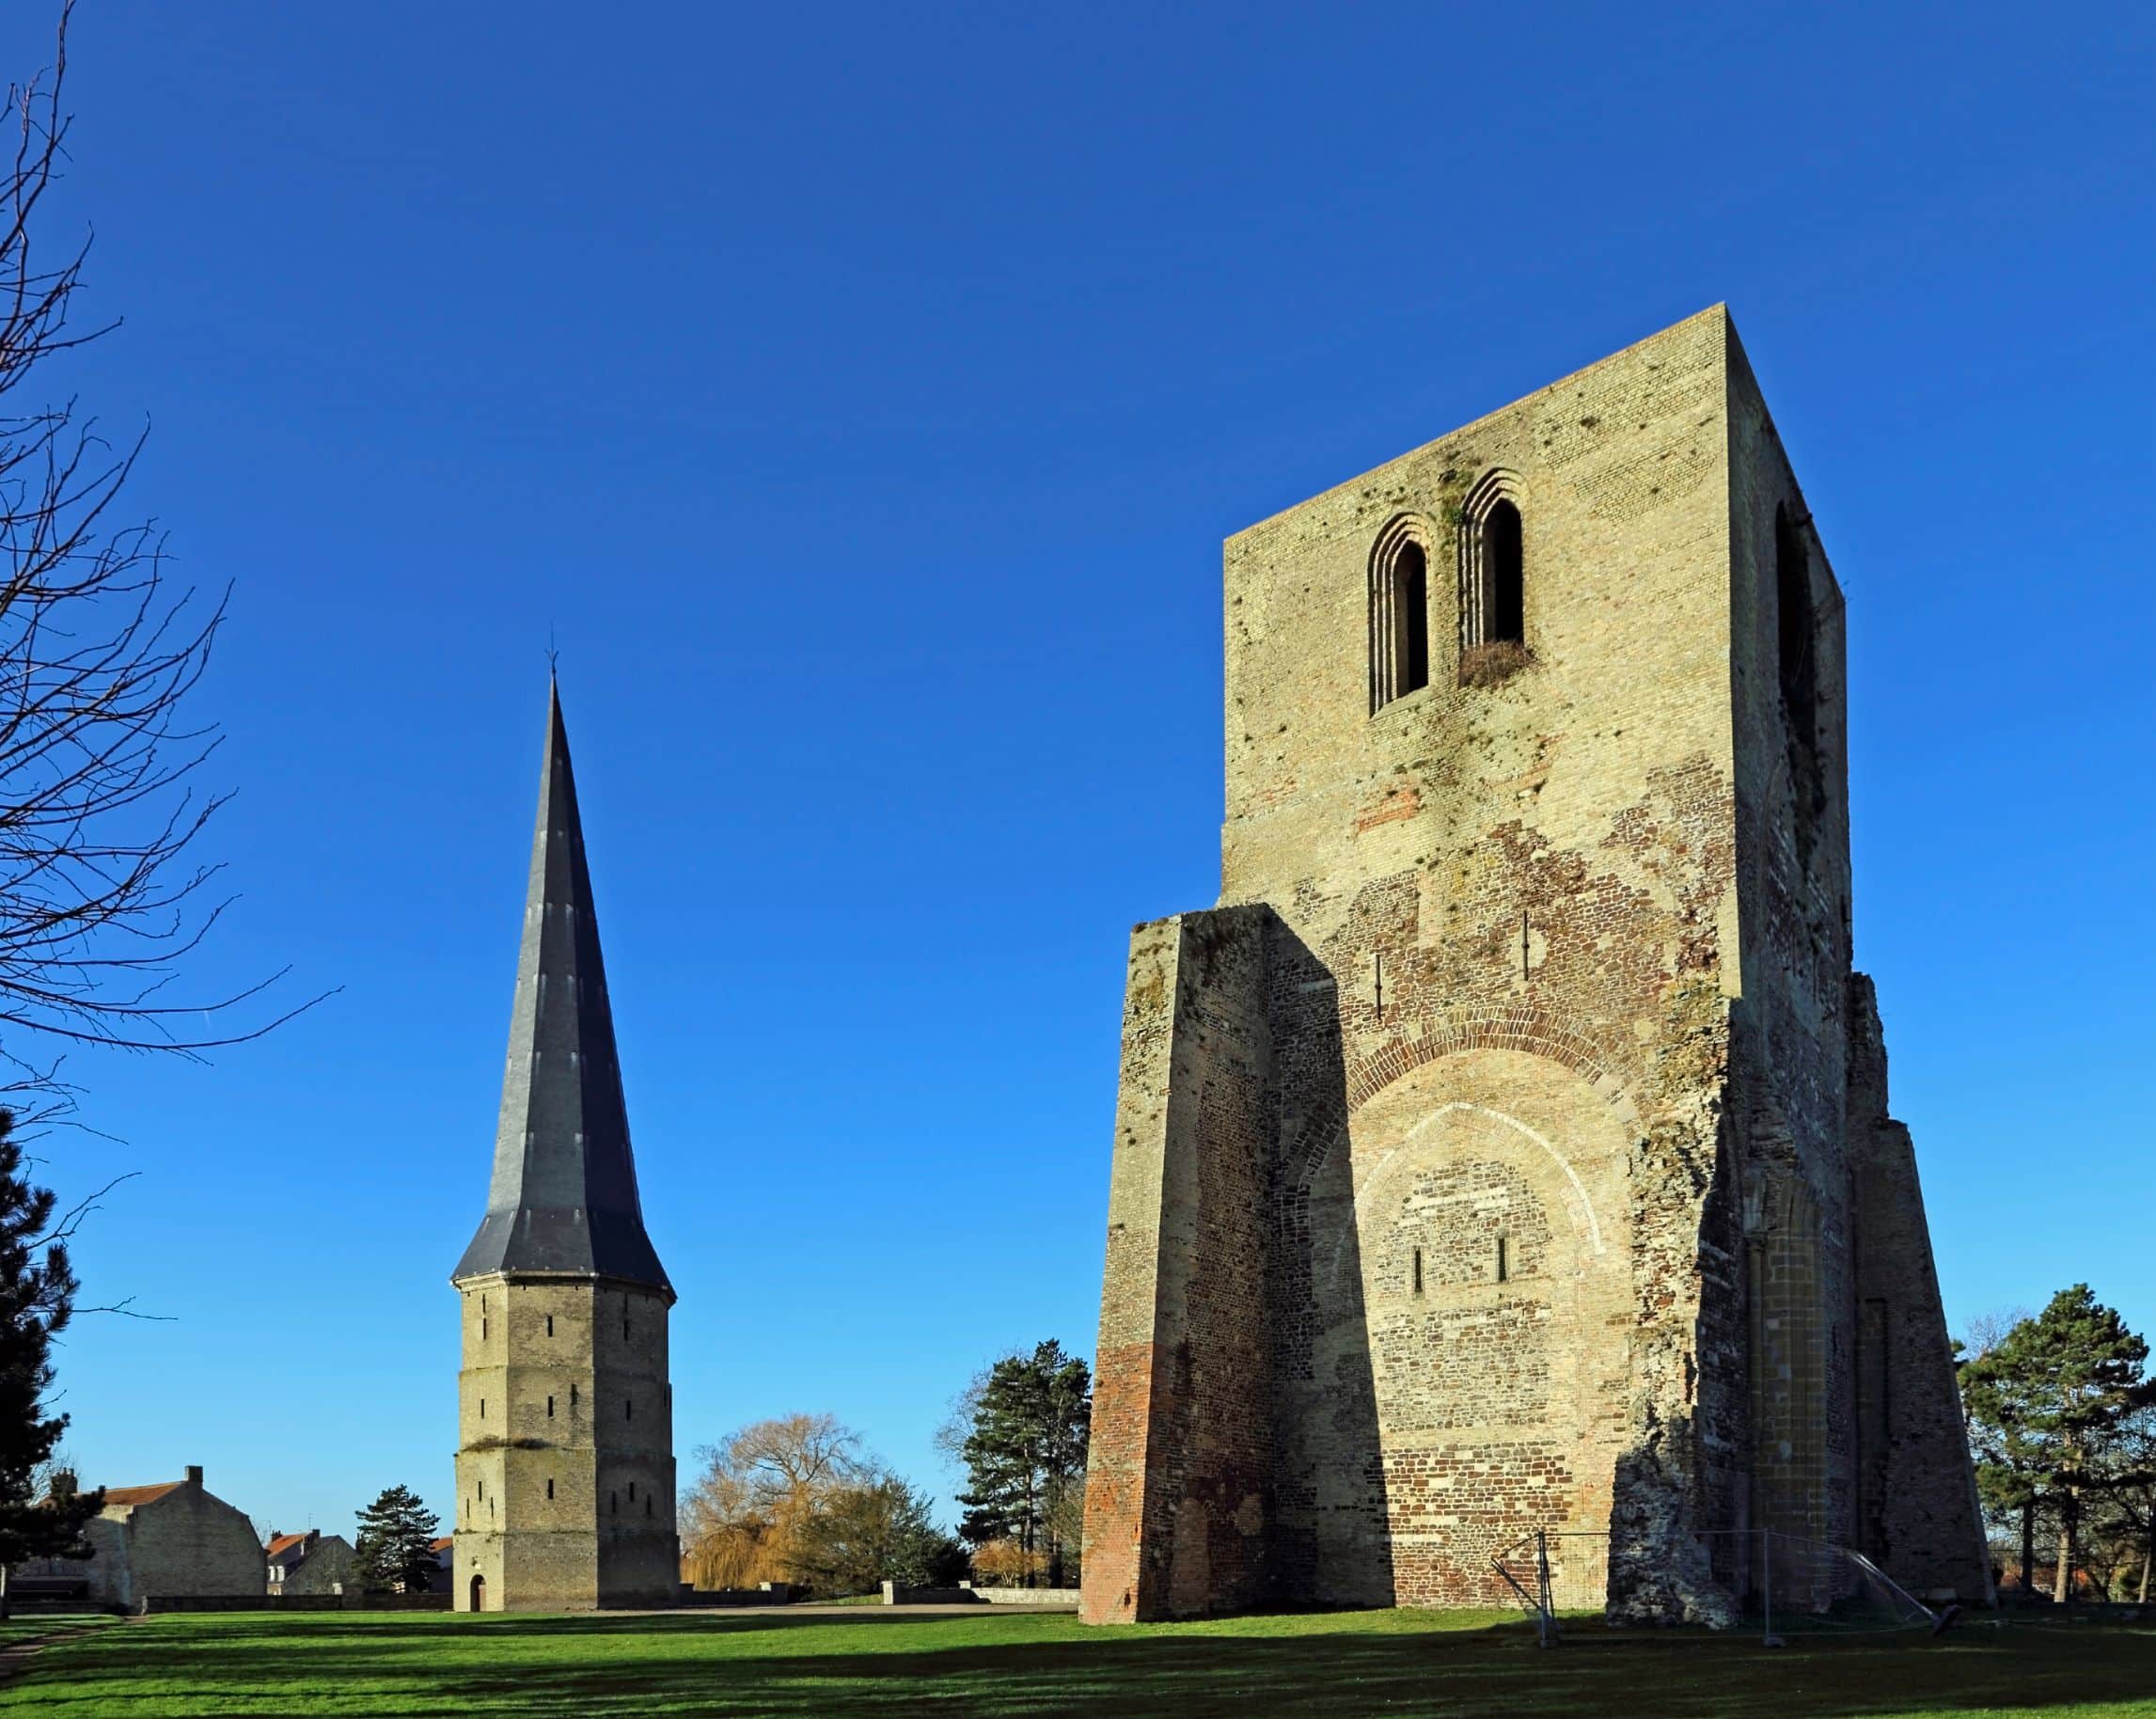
(861, 396)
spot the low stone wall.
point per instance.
(770, 1593)
(898, 1593)
(291, 1603)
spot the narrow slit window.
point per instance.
(1503, 1259)
(632, 1491)
(614, 1503)
(482, 1408)
(550, 1325)
(550, 1408)
(573, 1396)
(1418, 1270)
(550, 1486)
(628, 1408)
(646, 1504)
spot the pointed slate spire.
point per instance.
(563, 1199)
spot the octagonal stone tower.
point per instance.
(565, 1466)
(1509, 1147)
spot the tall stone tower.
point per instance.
(1509, 1148)
(565, 1463)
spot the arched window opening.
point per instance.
(1411, 617)
(1399, 614)
(1493, 582)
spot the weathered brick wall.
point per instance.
(565, 1470)
(1917, 1493)
(1543, 869)
(1558, 959)
(1177, 1478)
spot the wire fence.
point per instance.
(1783, 1582)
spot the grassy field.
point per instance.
(794, 1667)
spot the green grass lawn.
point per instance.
(1336, 1664)
(15, 1630)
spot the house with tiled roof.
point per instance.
(311, 1563)
(173, 1539)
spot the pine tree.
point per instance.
(1025, 1450)
(2050, 1408)
(395, 1546)
(37, 1297)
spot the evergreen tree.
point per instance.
(37, 1297)
(2050, 1410)
(395, 1547)
(1026, 1424)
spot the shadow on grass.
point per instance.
(780, 1667)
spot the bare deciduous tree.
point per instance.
(101, 889)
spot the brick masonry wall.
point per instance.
(1176, 1500)
(565, 1470)
(1558, 959)
(1917, 1495)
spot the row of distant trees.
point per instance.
(800, 1499)
(2061, 1410)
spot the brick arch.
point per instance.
(1429, 1037)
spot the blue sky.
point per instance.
(860, 396)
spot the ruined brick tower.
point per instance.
(1509, 1148)
(565, 1463)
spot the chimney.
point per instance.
(193, 1474)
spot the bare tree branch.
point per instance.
(101, 892)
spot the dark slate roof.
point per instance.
(564, 1194)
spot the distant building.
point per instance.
(440, 1578)
(172, 1539)
(311, 1563)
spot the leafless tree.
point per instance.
(101, 888)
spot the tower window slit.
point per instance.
(550, 1487)
(632, 1491)
(1503, 1259)
(550, 1408)
(1418, 1270)
(614, 1503)
(550, 1325)
(646, 1504)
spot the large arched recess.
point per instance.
(1501, 1391)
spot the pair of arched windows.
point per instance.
(1492, 592)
